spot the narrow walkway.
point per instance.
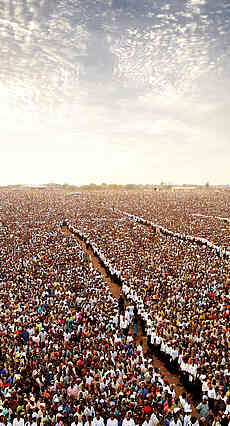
(114, 288)
(116, 292)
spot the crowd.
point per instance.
(202, 214)
(181, 289)
(67, 354)
(221, 251)
(65, 359)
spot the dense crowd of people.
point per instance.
(181, 287)
(221, 251)
(199, 213)
(67, 354)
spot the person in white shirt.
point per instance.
(175, 420)
(124, 325)
(204, 386)
(89, 411)
(129, 338)
(89, 421)
(128, 420)
(147, 421)
(154, 420)
(112, 420)
(2, 420)
(18, 421)
(193, 422)
(98, 420)
(75, 420)
(211, 396)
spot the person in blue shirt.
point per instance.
(25, 335)
(143, 391)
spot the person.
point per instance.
(75, 420)
(147, 420)
(112, 420)
(211, 396)
(18, 420)
(203, 408)
(2, 419)
(98, 420)
(128, 420)
(121, 304)
(154, 420)
(193, 421)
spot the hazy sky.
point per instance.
(125, 91)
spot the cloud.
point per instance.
(138, 94)
(197, 2)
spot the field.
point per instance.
(180, 287)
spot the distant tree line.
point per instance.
(107, 187)
(163, 186)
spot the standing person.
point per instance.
(98, 420)
(154, 420)
(211, 396)
(2, 420)
(203, 408)
(193, 422)
(75, 420)
(89, 421)
(147, 420)
(124, 325)
(121, 304)
(135, 326)
(18, 420)
(128, 420)
(112, 420)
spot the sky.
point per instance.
(115, 91)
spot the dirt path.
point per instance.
(114, 288)
(116, 292)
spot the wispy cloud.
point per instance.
(143, 90)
